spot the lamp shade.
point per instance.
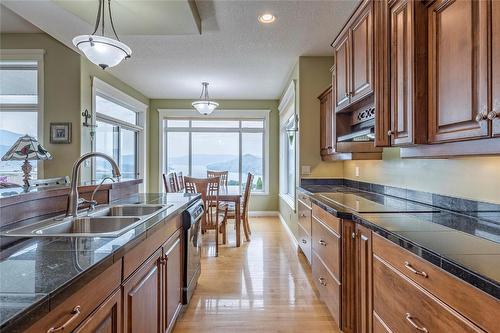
(205, 107)
(102, 51)
(26, 148)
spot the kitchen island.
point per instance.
(47, 281)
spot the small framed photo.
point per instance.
(60, 132)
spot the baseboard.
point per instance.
(263, 213)
(288, 231)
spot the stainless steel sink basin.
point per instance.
(111, 221)
(129, 210)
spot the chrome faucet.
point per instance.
(92, 202)
(73, 200)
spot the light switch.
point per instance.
(306, 170)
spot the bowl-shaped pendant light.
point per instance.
(101, 50)
(204, 105)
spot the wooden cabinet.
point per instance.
(304, 227)
(363, 284)
(494, 115)
(327, 123)
(353, 59)
(142, 298)
(106, 318)
(406, 31)
(172, 282)
(361, 70)
(341, 63)
(405, 307)
(458, 70)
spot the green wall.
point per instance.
(67, 92)
(62, 95)
(258, 202)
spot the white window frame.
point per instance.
(287, 110)
(105, 90)
(29, 55)
(191, 114)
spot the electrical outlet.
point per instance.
(357, 171)
(306, 170)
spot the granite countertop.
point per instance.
(467, 246)
(37, 270)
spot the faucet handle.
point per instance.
(91, 203)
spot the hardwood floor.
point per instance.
(263, 286)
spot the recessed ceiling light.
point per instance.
(267, 18)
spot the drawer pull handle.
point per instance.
(413, 270)
(304, 241)
(414, 324)
(322, 281)
(75, 313)
(322, 242)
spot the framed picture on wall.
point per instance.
(60, 132)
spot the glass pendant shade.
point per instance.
(102, 51)
(205, 106)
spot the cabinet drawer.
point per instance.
(87, 299)
(378, 324)
(404, 305)
(328, 286)
(466, 299)
(304, 242)
(326, 244)
(327, 218)
(304, 217)
(305, 199)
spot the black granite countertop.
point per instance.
(467, 246)
(38, 270)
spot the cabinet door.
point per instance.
(326, 115)
(142, 298)
(341, 57)
(364, 279)
(458, 70)
(401, 101)
(495, 65)
(172, 271)
(361, 54)
(106, 318)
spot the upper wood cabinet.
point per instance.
(458, 70)
(407, 65)
(353, 59)
(361, 70)
(494, 115)
(327, 124)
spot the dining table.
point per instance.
(233, 194)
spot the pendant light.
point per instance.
(205, 106)
(101, 50)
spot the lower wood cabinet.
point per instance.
(142, 299)
(406, 307)
(172, 282)
(304, 226)
(329, 287)
(106, 318)
(363, 284)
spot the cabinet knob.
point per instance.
(304, 241)
(74, 314)
(353, 235)
(322, 242)
(414, 324)
(322, 281)
(492, 115)
(414, 271)
(481, 116)
(390, 133)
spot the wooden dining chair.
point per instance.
(223, 175)
(180, 182)
(170, 182)
(215, 218)
(231, 209)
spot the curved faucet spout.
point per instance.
(73, 194)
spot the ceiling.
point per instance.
(240, 57)
(10, 22)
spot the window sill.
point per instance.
(290, 201)
(259, 193)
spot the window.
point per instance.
(194, 146)
(21, 101)
(288, 146)
(118, 133)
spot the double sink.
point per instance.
(111, 221)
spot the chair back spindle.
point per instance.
(223, 176)
(170, 182)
